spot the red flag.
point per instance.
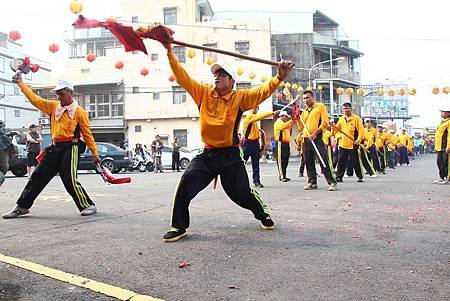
(125, 34)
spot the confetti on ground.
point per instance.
(183, 265)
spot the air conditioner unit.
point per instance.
(44, 121)
(91, 114)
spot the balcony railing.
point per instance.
(335, 72)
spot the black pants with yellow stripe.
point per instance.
(310, 161)
(442, 161)
(348, 157)
(226, 163)
(61, 158)
(282, 153)
(366, 162)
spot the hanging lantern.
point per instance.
(263, 79)
(144, 71)
(380, 92)
(171, 78)
(446, 90)
(401, 92)
(14, 35)
(320, 87)
(287, 85)
(309, 88)
(239, 71)
(76, 7)
(279, 96)
(360, 91)
(190, 53)
(300, 89)
(34, 68)
(391, 92)
(251, 75)
(412, 91)
(53, 47)
(435, 90)
(282, 84)
(349, 91)
(90, 57)
(294, 87)
(119, 65)
(209, 60)
(340, 91)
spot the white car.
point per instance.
(185, 157)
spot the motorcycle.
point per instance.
(143, 163)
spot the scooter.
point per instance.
(141, 164)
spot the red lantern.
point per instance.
(34, 68)
(119, 65)
(14, 35)
(144, 71)
(172, 78)
(53, 47)
(90, 57)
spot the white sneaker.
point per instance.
(437, 181)
(373, 176)
(89, 210)
(443, 182)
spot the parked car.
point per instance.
(18, 161)
(185, 157)
(113, 157)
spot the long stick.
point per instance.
(238, 55)
(291, 102)
(312, 142)
(348, 136)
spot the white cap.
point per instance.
(367, 120)
(63, 84)
(284, 113)
(228, 69)
(445, 109)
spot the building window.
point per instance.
(210, 53)
(90, 105)
(137, 128)
(2, 89)
(2, 64)
(103, 105)
(85, 70)
(181, 136)
(242, 47)
(135, 19)
(180, 52)
(156, 96)
(154, 57)
(16, 113)
(170, 16)
(116, 105)
(179, 95)
(17, 91)
(135, 90)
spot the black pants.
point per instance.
(391, 158)
(403, 155)
(301, 169)
(366, 162)
(348, 157)
(382, 158)
(310, 162)
(61, 158)
(226, 162)
(442, 161)
(251, 150)
(176, 160)
(283, 153)
(374, 158)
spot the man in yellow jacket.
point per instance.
(312, 122)
(221, 109)
(68, 123)
(371, 134)
(250, 143)
(282, 129)
(381, 140)
(404, 142)
(442, 146)
(353, 134)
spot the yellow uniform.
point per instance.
(282, 130)
(370, 137)
(442, 135)
(315, 118)
(403, 139)
(250, 128)
(352, 127)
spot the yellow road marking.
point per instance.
(99, 287)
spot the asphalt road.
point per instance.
(385, 239)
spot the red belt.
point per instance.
(71, 139)
(208, 146)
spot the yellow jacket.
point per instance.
(315, 118)
(326, 137)
(442, 136)
(392, 141)
(381, 139)
(282, 131)
(65, 126)
(353, 127)
(370, 137)
(403, 140)
(250, 128)
(220, 115)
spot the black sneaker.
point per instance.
(301, 175)
(267, 223)
(174, 235)
(259, 185)
(360, 180)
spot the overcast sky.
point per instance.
(401, 41)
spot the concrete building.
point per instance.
(15, 110)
